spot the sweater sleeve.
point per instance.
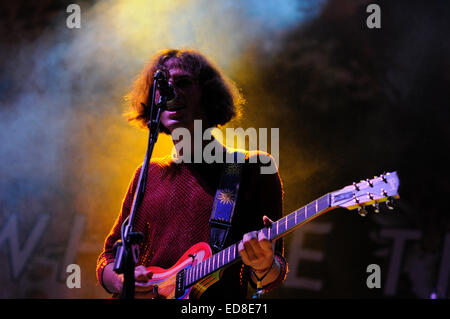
(107, 255)
(268, 200)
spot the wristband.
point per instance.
(260, 279)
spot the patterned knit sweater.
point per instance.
(175, 212)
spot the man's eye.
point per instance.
(183, 83)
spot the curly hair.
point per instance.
(220, 98)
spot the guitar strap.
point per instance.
(225, 201)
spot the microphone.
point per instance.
(159, 75)
(165, 88)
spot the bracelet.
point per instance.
(260, 279)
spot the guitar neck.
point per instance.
(278, 229)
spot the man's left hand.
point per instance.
(256, 249)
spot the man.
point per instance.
(176, 208)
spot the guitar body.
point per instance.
(165, 279)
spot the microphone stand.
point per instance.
(127, 253)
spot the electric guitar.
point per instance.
(198, 262)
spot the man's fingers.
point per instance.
(141, 274)
(264, 243)
(267, 221)
(255, 245)
(250, 242)
(243, 253)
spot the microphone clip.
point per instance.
(166, 90)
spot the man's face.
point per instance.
(186, 107)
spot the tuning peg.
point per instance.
(361, 211)
(376, 208)
(390, 204)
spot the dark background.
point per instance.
(351, 102)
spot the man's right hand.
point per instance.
(143, 288)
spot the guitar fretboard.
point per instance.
(276, 230)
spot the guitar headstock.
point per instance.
(383, 188)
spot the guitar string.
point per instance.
(198, 267)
